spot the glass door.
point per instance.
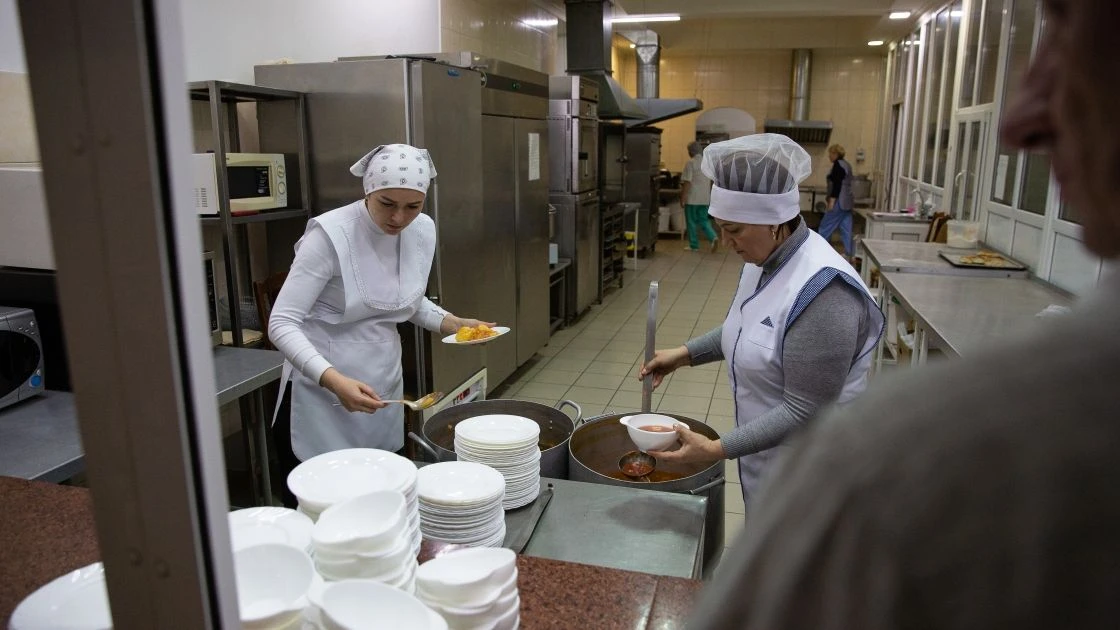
(971, 137)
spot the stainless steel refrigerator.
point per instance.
(355, 105)
(643, 168)
(515, 177)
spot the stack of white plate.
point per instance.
(461, 503)
(507, 444)
(472, 588)
(270, 525)
(366, 537)
(330, 478)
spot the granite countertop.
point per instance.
(48, 530)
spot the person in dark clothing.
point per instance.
(840, 201)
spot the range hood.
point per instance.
(797, 127)
(589, 55)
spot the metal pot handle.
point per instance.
(579, 411)
(708, 486)
(424, 445)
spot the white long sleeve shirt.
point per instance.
(314, 289)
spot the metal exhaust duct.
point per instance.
(798, 126)
(649, 69)
(799, 86)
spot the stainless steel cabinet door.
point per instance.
(531, 139)
(498, 293)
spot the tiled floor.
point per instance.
(595, 361)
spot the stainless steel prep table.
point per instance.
(960, 314)
(650, 531)
(909, 257)
(39, 438)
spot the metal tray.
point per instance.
(1002, 262)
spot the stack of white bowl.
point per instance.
(461, 503)
(367, 605)
(330, 478)
(472, 588)
(508, 444)
(272, 586)
(366, 537)
(270, 525)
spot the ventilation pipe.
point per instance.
(798, 126)
(648, 50)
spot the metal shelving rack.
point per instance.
(613, 248)
(223, 98)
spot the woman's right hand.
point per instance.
(352, 394)
(664, 363)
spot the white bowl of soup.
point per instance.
(651, 431)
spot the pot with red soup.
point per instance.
(597, 444)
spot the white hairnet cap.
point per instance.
(395, 166)
(755, 178)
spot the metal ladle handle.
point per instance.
(651, 338)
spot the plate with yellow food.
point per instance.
(468, 336)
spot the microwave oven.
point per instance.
(21, 356)
(256, 181)
(209, 270)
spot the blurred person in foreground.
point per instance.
(976, 494)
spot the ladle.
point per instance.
(637, 465)
(419, 405)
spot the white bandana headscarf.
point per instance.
(395, 166)
(755, 178)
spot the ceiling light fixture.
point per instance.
(652, 17)
(633, 45)
(956, 13)
(545, 23)
(875, 42)
(899, 15)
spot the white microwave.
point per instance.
(256, 181)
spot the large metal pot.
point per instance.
(596, 446)
(556, 428)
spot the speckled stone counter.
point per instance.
(48, 530)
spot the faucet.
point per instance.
(925, 206)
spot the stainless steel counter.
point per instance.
(655, 532)
(961, 314)
(909, 257)
(39, 438)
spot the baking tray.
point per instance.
(1002, 262)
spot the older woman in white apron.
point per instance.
(359, 270)
(799, 333)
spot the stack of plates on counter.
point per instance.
(507, 444)
(331, 478)
(461, 503)
(472, 588)
(270, 525)
(367, 537)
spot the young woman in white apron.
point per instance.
(799, 332)
(359, 270)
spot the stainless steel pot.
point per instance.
(596, 445)
(556, 428)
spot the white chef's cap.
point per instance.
(755, 178)
(395, 166)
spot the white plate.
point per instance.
(501, 330)
(331, 477)
(262, 525)
(497, 430)
(76, 601)
(459, 484)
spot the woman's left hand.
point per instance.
(694, 448)
(452, 324)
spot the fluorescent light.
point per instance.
(956, 13)
(633, 45)
(545, 23)
(899, 15)
(653, 17)
(875, 42)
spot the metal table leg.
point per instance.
(249, 421)
(261, 430)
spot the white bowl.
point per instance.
(467, 577)
(266, 525)
(371, 523)
(272, 584)
(326, 479)
(651, 440)
(367, 605)
(508, 620)
(77, 600)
